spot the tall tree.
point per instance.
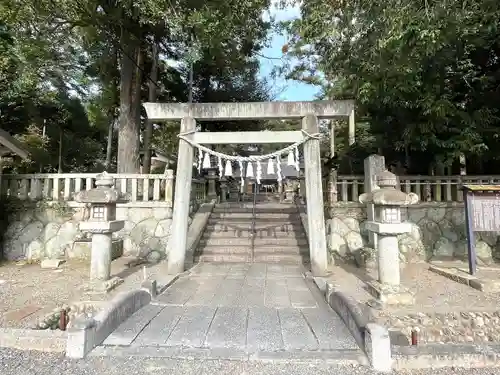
(425, 74)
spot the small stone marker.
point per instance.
(151, 287)
(51, 263)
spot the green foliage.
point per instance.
(69, 69)
(425, 74)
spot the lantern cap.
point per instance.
(387, 194)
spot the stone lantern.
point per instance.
(387, 224)
(289, 191)
(212, 179)
(101, 224)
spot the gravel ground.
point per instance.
(14, 362)
(29, 285)
(433, 292)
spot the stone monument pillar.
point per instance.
(101, 224)
(289, 192)
(302, 185)
(387, 224)
(212, 191)
(223, 189)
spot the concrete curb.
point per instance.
(301, 209)
(372, 338)
(84, 334)
(195, 231)
(488, 286)
(446, 355)
(33, 339)
(462, 279)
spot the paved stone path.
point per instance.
(240, 312)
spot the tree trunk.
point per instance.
(111, 115)
(60, 159)
(109, 147)
(148, 133)
(130, 96)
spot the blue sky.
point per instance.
(287, 90)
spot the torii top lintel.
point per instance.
(249, 110)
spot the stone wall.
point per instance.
(37, 231)
(438, 233)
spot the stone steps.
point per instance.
(258, 215)
(247, 248)
(290, 240)
(238, 226)
(245, 232)
(261, 253)
(258, 258)
(258, 220)
(245, 209)
(279, 237)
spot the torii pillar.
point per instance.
(318, 251)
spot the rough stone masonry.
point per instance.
(438, 233)
(49, 233)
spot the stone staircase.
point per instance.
(279, 237)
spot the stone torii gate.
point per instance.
(308, 112)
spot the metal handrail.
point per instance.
(253, 230)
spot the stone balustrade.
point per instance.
(64, 186)
(43, 222)
(428, 188)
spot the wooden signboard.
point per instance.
(482, 214)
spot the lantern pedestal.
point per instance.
(390, 294)
(388, 289)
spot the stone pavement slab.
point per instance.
(128, 331)
(264, 329)
(192, 327)
(228, 329)
(159, 329)
(240, 311)
(295, 330)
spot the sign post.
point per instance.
(482, 214)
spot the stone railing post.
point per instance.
(373, 164)
(332, 187)
(169, 185)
